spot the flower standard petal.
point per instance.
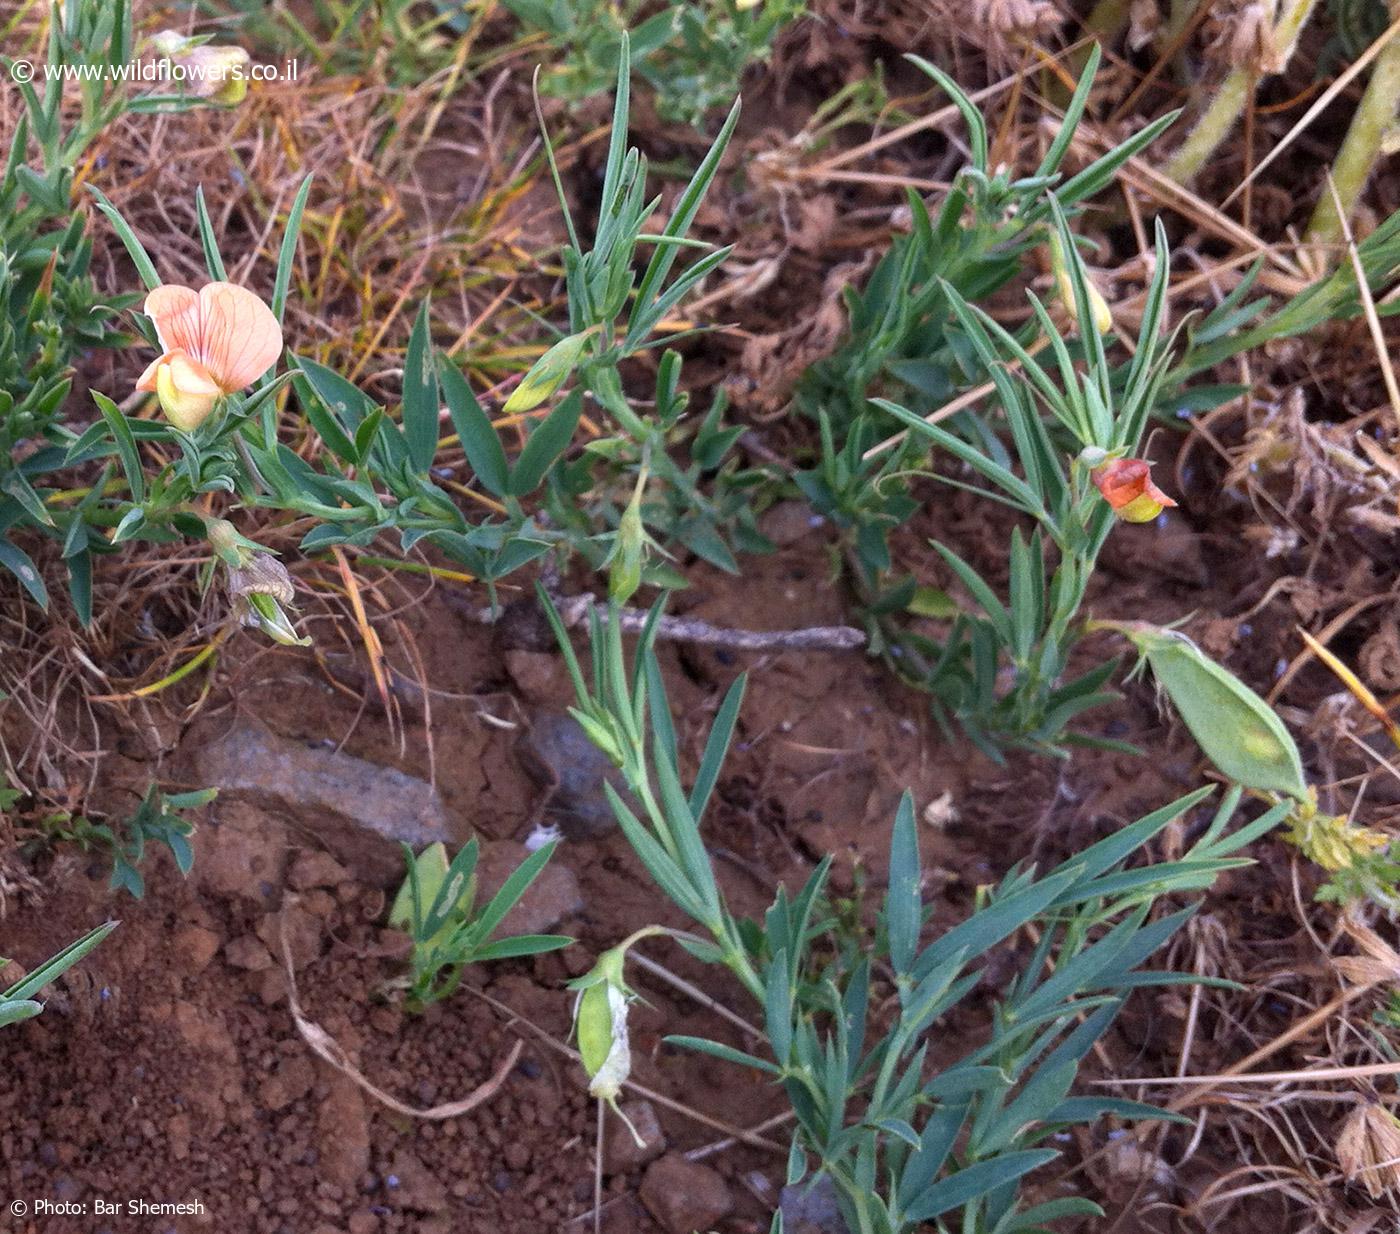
(175, 312)
(240, 337)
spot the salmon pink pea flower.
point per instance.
(1126, 484)
(217, 75)
(214, 342)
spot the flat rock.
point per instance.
(811, 1207)
(621, 1152)
(684, 1196)
(359, 809)
(553, 896)
(558, 755)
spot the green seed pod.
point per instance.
(1235, 728)
(595, 1027)
(600, 1024)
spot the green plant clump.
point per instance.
(50, 309)
(436, 906)
(159, 819)
(906, 1146)
(694, 55)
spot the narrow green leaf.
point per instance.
(21, 565)
(976, 125)
(420, 395)
(520, 945)
(139, 257)
(512, 889)
(718, 1050)
(903, 901)
(59, 964)
(287, 253)
(213, 260)
(126, 445)
(778, 1008)
(960, 1189)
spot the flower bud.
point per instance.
(600, 734)
(603, 1040)
(265, 613)
(629, 550)
(232, 549)
(1064, 284)
(1126, 484)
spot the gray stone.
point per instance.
(621, 1152)
(359, 809)
(810, 1207)
(558, 755)
(684, 1196)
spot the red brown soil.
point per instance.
(162, 1071)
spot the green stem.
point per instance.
(1234, 93)
(1104, 23)
(1107, 18)
(1181, 12)
(1361, 149)
(1213, 127)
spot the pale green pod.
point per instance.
(1235, 728)
(594, 1025)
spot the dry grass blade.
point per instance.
(374, 649)
(1368, 304)
(327, 1048)
(1360, 691)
